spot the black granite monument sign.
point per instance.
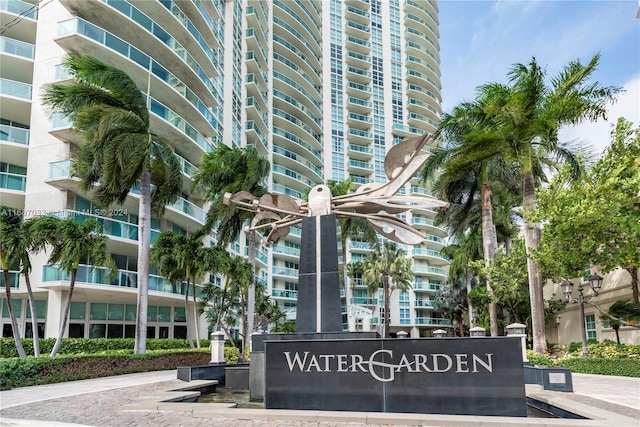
(465, 376)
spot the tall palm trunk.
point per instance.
(144, 239)
(387, 318)
(532, 241)
(196, 328)
(186, 313)
(490, 247)
(34, 316)
(251, 292)
(12, 314)
(65, 314)
(467, 278)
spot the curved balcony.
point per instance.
(286, 252)
(125, 279)
(288, 103)
(296, 126)
(290, 159)
(305, 17)
(363, 301)
(16, 57)
(417, 106)
(289, 86)
(433, 257)
(297, 39)
(425, 11)
(358, 105)
(359, 152)
(12, 187)
(356, 29)
(284, 272)
(76, 34)
(359, 136)
(288, 140)
(427, 286)
(357, 44)
(430, 271)
(359, 167)
(423, 304)
(424, 67)
(433, 321)
(284, 294)
(357, 15)
(292, 178)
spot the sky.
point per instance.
(481, 40)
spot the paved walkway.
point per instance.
(125, 401)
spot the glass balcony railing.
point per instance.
(15, 89)
(284, 293)
(286, 250)
(432, 321)
(60, 169)
(424, 304)
(14, 134)
(429, 270)
(190, 209)
(110, 227)
(17, 48)
(18, 7)
(123, 278)
(284, 271)
(427, 286)
(429, 252)
(364, 301)
(12, 181)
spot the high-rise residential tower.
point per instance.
(321, 88)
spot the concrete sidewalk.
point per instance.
(136, 399)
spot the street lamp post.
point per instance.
(596, 283)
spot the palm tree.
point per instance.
(385, 265)
(452, 302)
(119, 152)
(11, 244)
(183, 258)
(529, 113)
(351, 227)
(74, 243)
(472, 165)
(230, 170)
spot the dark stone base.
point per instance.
(550, 378)
(203, 372)
(237, 376)
(463, 376)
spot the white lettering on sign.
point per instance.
(379, 364)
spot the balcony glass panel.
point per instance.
(14, 134)
(17, 47)
(24, 9)
(15, 89)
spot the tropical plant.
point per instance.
(387, 267)
(593, 220)
(185, 258)
(119, 152)
(73, 243)
(351, 227)
(231, 170)
(227, 306)
(528, 114)
(452, 302)
(11, 246)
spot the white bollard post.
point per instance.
(217, 347)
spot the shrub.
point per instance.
(231, 355)
(91, 345)
(17, 372)
(620, 367)
(539, 359)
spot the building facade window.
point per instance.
(590, 321)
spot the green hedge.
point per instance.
(619, 367)
(15, 372)
(606, 358)
(90, 345)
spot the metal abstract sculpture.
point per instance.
(378, 203)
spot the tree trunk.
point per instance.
(186, 313)
(65, 314)
(490, 247)
(467, 278)
(220, 311)
(144, 242)
(617, 329)
(34, 316)
(251, 292)
(195, 314)
(532, 240)
(633, 271)
(387, 317)
(12, 314)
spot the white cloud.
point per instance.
(598, 134)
